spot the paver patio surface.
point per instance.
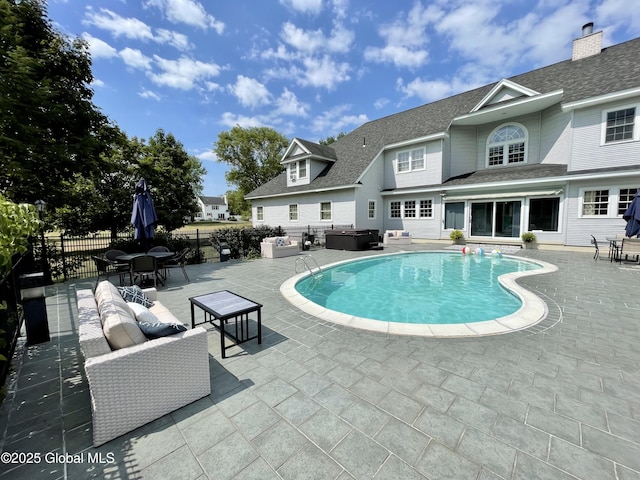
(560, 400)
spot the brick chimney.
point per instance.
(589, 44)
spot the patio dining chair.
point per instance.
(177, 262)
(106, 269)
(594, 242)
(144, 267)
(159, 248)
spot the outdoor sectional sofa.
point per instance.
(133, 379)
(397, 237)
(277, 247)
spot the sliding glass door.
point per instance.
(495, 219)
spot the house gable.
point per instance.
(503, 91)
(304, 161)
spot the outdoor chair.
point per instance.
(144, 267)
(630, 247)
(159, 249)
(177, 262)
(106, 269)
(594, 242)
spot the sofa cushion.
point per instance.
(120, 330)
(135, 294)
(269, 240)
(142, 313)
(109, 300)
(158, 330)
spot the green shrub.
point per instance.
(244, 242)
(456, 235)
(528, 237)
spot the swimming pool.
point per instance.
(423, 293)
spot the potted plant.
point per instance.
(529, 239)
(457, 236)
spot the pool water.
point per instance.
(419, 288)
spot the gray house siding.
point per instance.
(555, 136)
(463, 148)
(588, 150)
(431, 174)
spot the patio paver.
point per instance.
(560, 400)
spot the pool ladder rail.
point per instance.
(313, 269)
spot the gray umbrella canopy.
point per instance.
(632, 216)
(143, 216)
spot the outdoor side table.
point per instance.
(219, 308)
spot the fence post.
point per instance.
(198, 245)
(64, 258)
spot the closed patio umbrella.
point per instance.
(143, 217)
(632, 216)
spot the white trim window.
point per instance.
(595, 203)
(410, 160)
(293, 212)
(620, 125)
(325, 211)
(411, 208)
(260, 213)
(371, 210)
(624, 199)
(297, 170)
(507, 145)
(426, 208)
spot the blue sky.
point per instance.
(311, 68)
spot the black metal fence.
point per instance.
(69, 257)
(11, 312)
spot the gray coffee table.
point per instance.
(219, 308)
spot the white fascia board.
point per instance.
(502, 84)
(303, 192)
(600, 99)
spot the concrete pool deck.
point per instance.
(532, 311)
(556, 401)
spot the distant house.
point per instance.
(555, 151)
(212, 208)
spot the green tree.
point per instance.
(329, 140)
(48, 122)
(253, 154)
(237, 203)
(174, 178)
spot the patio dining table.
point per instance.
(159, 256)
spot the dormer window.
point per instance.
(298, 170)
(506, 145)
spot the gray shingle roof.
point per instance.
(212, 200)
(616, 68)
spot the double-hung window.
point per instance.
(507, 145)
(293, 212)
(595, 203)
(624, 199)
(260, 213)
(325, 211)
(426, 208)
(410, 160)
(619, 125)
(395, 209)
(372, 210)
(411, 208)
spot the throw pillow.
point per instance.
(405, 234)
(142, 313)
(390, 234)
(135, 294)
(158, 330)
(280, 242)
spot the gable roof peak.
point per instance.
(504, 90)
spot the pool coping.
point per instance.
(532, 311)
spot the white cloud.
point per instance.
(149, 94)
(405, 38)
(207, 156)
(381, 103)
(134, 29)
(119, 26)
(189, 12)
(304, 6)
(323, 72)
(336, 120)
(99, 48)
(135, 59)
(339, 41)
(175, 39)
(183, 73)
(288, 104)
(97, 83)
(250, 92)
(232, 119)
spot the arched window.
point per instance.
(506, 145)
